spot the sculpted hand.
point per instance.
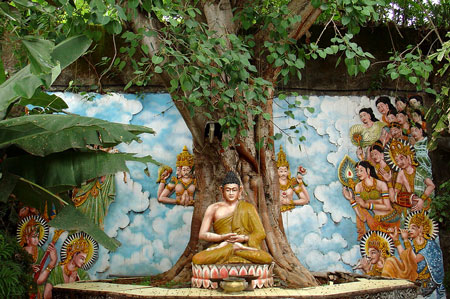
(238, 239)
(360, 153)
(387, 176)
(53, 254)
(227, 237)
(35, 268)
(393, 233)
(404, 233)
(419, 204)
(347, 193)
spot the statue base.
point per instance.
(208, 276)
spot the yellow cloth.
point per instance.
(405, 268)
(244, 221)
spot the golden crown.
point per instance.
(421, 219)
(185, 158)
(397, 147)
(379, 243)
(281, 159)
(80, 245)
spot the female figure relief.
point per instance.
(371, 201)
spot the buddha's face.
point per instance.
(79, 259)
(376, 156)
(383, 108)
(401, 118)
(283, 172)
(231, 192)
(361, 172)
(374, 255)
(416, 133)
(391, 118)
(400, 105)
(414, 231)
(402, 161)
(365, 117)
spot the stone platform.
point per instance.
(361, 288)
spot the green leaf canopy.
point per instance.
(42, 135)
(63, 171)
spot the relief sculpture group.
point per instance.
(390, 190)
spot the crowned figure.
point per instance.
(289, 185)
(183, 183)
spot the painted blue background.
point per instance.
(153, 235)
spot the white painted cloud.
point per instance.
(351, 256)
(129, 197)
(334, 202)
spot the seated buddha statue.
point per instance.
(183, 183)
(238, 230)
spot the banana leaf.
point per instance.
(70, 219)
(63, 171)
(42, 70)
(45, 134)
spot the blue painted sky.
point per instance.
(153, 235)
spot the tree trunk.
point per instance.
(257, 171)
(256, 167)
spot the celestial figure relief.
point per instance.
(365, 134)
(390, 189)
(78, 253)
(94, 197)
(238, 230)
(32, 233)
(370, 201)
(183, 183)
(289, 185)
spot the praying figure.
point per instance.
(289, 185)
(183, 183)
(238, 230)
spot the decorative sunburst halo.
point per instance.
(92, 254)
(42, 224)
(430, 227)
(347, 172)
(395, 146)
(376, 237)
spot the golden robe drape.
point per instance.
(245, 220)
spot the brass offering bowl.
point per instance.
(233, 284)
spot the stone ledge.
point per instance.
(362, 288)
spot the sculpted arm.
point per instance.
(204, 233)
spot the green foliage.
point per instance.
(16, 277)
(42, 135)
(440, 206)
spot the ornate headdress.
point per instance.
(378, 240)
(185, 158)
(281, 159)
(79, 242)
(398, 147)
(430, 227)
(30, 225)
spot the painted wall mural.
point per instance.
(351, 202)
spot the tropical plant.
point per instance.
(15, 268)
(221, 62)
